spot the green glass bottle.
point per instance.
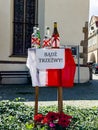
(39, 37)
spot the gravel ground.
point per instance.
(79, 103)
(82, 95)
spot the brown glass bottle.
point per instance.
(55, 37)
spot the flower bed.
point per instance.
(17, 116)
(52, 120)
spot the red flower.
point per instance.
(51, 116)
(52, 119)
(45, 121)
(64, 119)
(38, 117)
(63, 122)
(64, 116)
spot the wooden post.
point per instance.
(60, 101)
(36, 99)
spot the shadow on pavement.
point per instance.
(83, 91)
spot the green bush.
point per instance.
(18, 116)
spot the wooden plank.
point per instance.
(60, 101)
(36, 99)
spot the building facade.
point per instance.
(84, 44)
(17, 18)
(93, 40)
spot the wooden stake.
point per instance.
(36, 99)
(60, 101)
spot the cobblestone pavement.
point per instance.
(84, 94)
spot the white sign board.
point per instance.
(50, 58)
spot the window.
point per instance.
(23, 22)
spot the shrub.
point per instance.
(18, 116)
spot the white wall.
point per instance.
(41, 16)
(6, 39)
(70, 15)
(84, 75)
(6, 31)
(4, 28)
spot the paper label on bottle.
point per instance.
(55, 41)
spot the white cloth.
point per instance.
(38, 77)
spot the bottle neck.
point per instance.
(55, 24)
(47, 33)
(34, 30)
(38, 33)
(55, 31)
